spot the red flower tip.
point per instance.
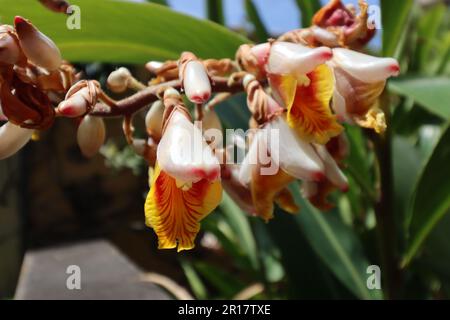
(394, 69)
(18, 20)
(319, 176)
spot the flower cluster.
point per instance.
(300, 89)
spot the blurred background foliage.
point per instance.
(312, 254)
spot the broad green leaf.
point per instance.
(394, 18)
(126, 32)
(253, 15)
(308, 8)
(431, 199)
(215, 11)
(431, 93)
(337, 246)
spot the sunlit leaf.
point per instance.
(127, 32)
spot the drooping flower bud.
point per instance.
(154, 120)
(80, 98)
(364, 67)
(91, 135)
(10, 52)
(118, 80)
(296, 59)
(183, 152)
(12, 139)
(196, 82)
(75, 106)
(38, 48)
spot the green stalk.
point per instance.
(386, 220)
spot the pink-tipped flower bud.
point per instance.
(118, 80)
(296, 59)
(196, 82)
(154, 120)
(38, 48)
(10, 52)
(12, 138)
(91, 135)
(76, 105)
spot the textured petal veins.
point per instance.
(175, 214)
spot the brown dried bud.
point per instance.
(38, 48)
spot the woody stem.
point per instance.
(386, 220)
(143, 98)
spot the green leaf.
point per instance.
(308, 8)
(431, 199)
(428, 28)
(253, 15)
(161, 2)
(431, 93)
(127, 32)
(197, 286)
(227, 283)
(215, 11)
(239, 223)
(395, 15)
(337, 246)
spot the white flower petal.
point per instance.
(257, 146)
(184, 154)
(295, 157)
(364, 67)
(196, 82)
(332, 171)
(296, 59)
(12, 139)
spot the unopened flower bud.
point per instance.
(171, 93)
(154, 119)
(196, 82)
(76, 105)
(296, 59)
(118, 80)
(153, 66)
(91, 135)
(10, 52)
(12, 138)
(38, 48)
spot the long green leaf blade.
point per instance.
(338, 247)
(431, 93)
(431, 198)
(126, 32)
(215, 11)
(394, 17)
(308, 8)
(253, 15)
